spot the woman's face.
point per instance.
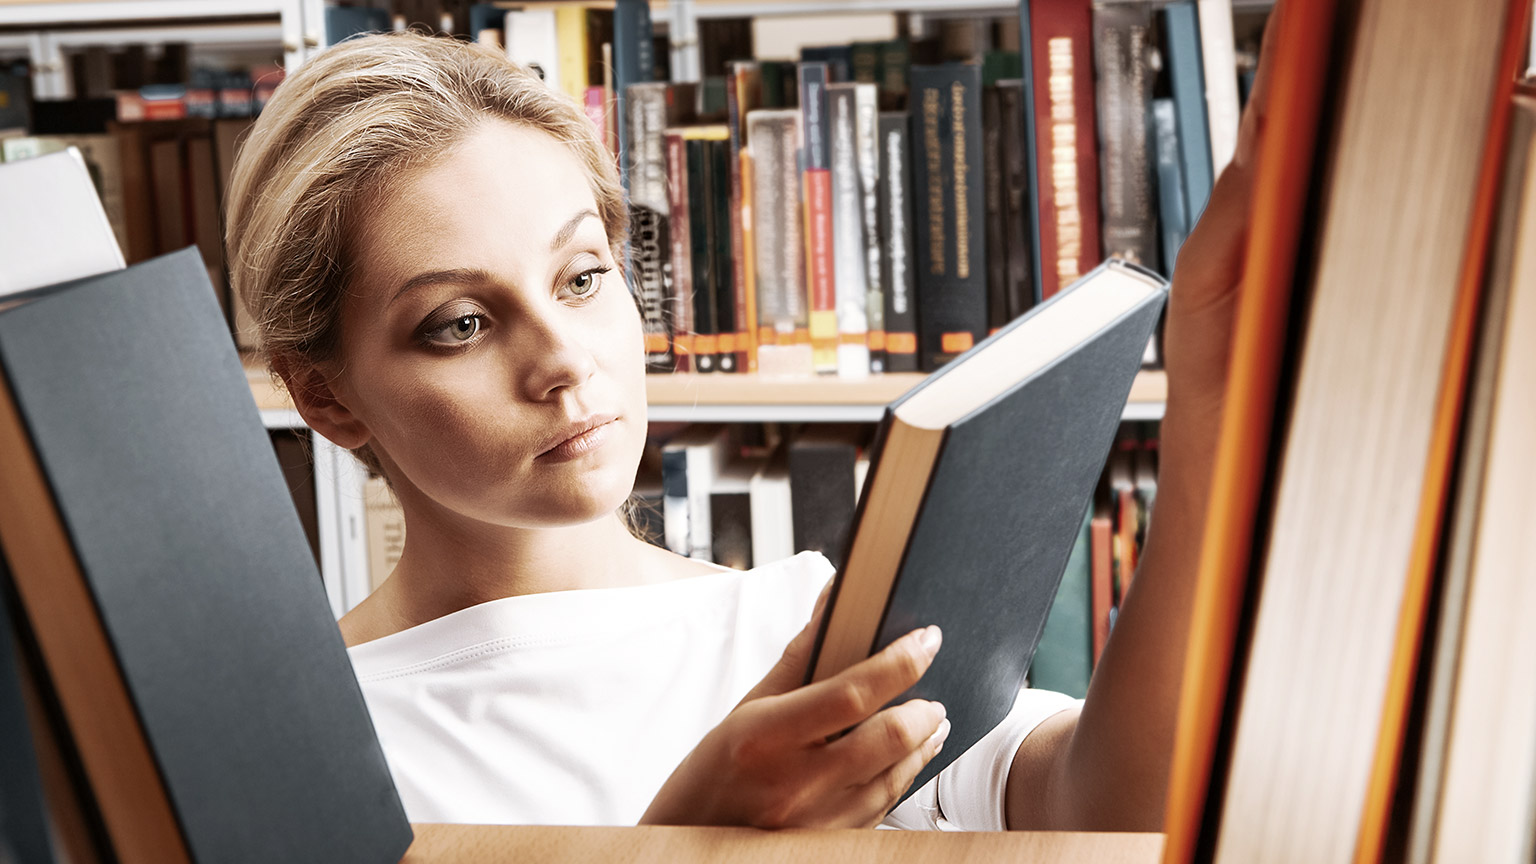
(489, 345)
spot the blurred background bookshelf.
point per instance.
(157, 96)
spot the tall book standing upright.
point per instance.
(36, 197)
(176, 607)
(1338, 539)
(961, 527)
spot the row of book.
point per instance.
(816, 231)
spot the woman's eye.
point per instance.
(457, 331)
(584, 285)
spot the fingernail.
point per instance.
(932, 636)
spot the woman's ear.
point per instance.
(314, 396)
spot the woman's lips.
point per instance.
(581, 443)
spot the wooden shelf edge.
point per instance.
(474, 844)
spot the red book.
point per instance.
(1061, 57)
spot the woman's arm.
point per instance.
(1106, 766)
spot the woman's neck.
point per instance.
(451, 564)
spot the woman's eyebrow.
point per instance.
(457, 276)
(563, 236)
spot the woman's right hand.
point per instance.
(771, 763)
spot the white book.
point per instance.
(773, 527)
(53, 227)
(532, 41)
(1219, 57)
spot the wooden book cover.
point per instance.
(981, 478)
(175, 602)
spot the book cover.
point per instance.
(849, 252)
(895, 233)
(866, 121)
(175, 601)
(962, 527)
(1067, 178)
(950, 211)
(816, 197)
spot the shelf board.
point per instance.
(692, 398)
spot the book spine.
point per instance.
(674, 500)
(996, 228)
(1188, 84)
(701, 262)
(1066, 148)
(895, 232)
(1172, 211)
(681, 316)
(723, 263)
(866, 121)
(634, 62)
(951, 276)
(895, 68)
(1018, 272)
(849, 260)
(743, 94)
(1101, 531)
(773, 138)
(1121, 37)
(649, 241)
(816, 178)
(571, 41)
(1218, 56)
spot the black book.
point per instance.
(169, 587)
(950, 211)
(978, 486)
(822, 489)
(722, 261)
(895, 232)
(702, 261)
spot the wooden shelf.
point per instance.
(691, 398)
(472, 844)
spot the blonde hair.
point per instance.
(334, 137)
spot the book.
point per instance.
(172, 596)
(1187, 78)
(773, 530)
(783, 335)
(1343, 547)
(533, 40)
(730, 514)
(1063, 662)
(1018, 209)
(866, 122)
(1172, 212)
(24, 829)
(1218, 58)
(723, 266)
(651, 109)
(1059, 66)
(816, 198)
(634, 62)
(894, 230)
(1122, 39)
(949, 211)
(52, 226)
(960, 526)
(850, 259)
(743, 95)
(823, 488)
(689, 461)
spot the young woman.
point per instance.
(429, 239)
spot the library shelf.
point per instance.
(473, 844)
(747, 398)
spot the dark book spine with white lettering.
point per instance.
(949, 211)
(895, 233)
(1122, 49)
(1019, 267)
(1061, 59)
(848, 252)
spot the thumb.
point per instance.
(789, 673)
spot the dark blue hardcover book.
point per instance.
(1172, 211)
(344, 22)
(169, 586)
(634, 62)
